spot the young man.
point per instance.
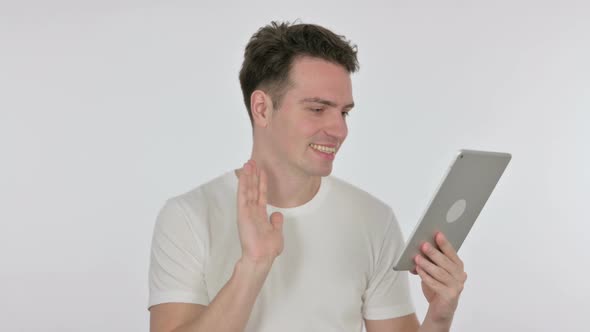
(279, 244)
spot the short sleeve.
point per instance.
(176, 260)
(388, 292)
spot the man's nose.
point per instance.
(337, 126)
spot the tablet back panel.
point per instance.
(458, 201)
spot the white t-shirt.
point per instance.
(335, 268)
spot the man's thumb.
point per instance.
(276, 219)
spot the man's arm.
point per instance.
(228, 312)
(443, 278)
(261, 240)
(407, 323)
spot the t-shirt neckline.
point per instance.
(232, 179)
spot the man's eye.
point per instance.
(316, 110)
(345, 114)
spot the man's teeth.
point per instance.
(322, 148)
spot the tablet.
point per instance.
(461, 196)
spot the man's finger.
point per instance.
(242, 188)
(250, 174)
(447, 248)
(262, 199)
(440, 274)
(438, 258)
(436, 285)
(255, 183)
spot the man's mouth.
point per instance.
(323, 148)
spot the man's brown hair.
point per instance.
(270, 53)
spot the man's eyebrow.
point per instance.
(324, 102)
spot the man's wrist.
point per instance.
(250, 266)
(436, 324)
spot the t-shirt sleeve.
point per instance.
(177, 259)
(388, 294)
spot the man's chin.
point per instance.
(325, 171)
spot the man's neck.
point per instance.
(286, 189)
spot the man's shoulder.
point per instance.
(354, 195)
(219, 187)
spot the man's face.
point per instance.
(307, 130)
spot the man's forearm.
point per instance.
(431, 325)
(231, 308)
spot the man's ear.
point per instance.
(261, 108)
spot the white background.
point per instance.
(110, 107)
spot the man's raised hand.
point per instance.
(261, 238)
